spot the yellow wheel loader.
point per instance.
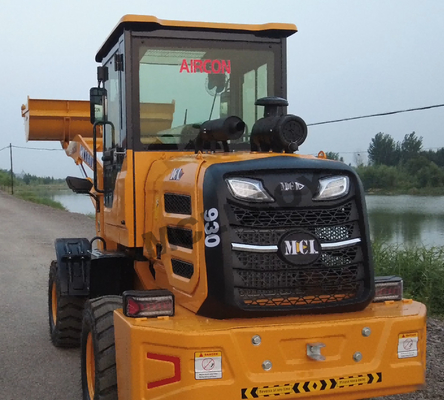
(226, 265)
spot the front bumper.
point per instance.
(193, 357)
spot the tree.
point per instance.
(332, 156)
(410, 146)
(27, 179)
(383, 150)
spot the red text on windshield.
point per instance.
(206, 66)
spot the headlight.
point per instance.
(248, 189)
(332, 188)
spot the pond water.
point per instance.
(407, 220)
(79, 203)
(403, 220)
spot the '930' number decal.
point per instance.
(212, 239)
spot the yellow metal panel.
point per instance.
(151, 23)
(118, 220)
(283, 342)
(149, 19)
(56, 120)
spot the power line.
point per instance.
(35, 148)
(312, 124)
(376, 115)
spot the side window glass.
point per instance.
(254, 86)
(248, 99)
(112, 85)
(262, 88)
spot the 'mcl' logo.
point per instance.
(294, 247)
(206, 66)
(299, 248)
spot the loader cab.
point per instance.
(165, 78)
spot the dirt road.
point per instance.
(30, 367)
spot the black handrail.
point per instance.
(99, 123)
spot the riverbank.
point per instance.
(426, 191)
(35, 198)
(54, 195)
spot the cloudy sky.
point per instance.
(349, 58)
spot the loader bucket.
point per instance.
(57, 120)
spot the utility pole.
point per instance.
(12, 172)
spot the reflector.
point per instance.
(149, 303)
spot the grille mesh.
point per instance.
(182, 268)
(332, 294)
(177, 203)
(180, 237)
(271, 261)
(264, 279)
(322, 278)
(279, 218)
(271, 236)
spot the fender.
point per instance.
(73, 266)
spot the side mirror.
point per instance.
(79, 185)
(97, 104)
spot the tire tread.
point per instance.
(68, 327)
(98, 319)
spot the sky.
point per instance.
(349, 58)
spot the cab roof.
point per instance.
(147, 23)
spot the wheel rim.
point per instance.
(90, 366)
(54, 303)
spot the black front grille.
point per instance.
(319, 217)
(177, 203)
(180, 237)
(182, 268)
(265, 279)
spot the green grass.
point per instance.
(421, 268)
(35, 198)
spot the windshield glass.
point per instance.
(180, 88)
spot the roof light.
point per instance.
(248, 189)
(332, 188)
(388, 288)
(148, 303)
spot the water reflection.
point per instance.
(407, 220)
(79, 203)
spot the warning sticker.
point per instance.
(311, 386)
(208, 365)
(408, 345)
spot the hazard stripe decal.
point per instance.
(312, 386)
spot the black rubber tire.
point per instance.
(65, 319)
(98, 321)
